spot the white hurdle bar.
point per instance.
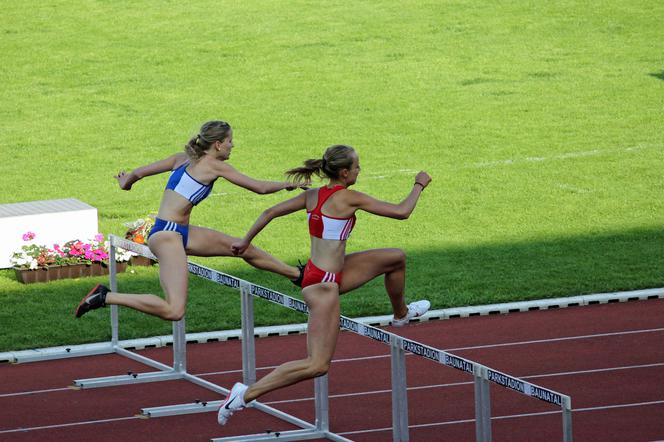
(399, 346)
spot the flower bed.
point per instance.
(52, 273)
(74, 259)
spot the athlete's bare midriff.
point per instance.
(327, 254)
(175, 207)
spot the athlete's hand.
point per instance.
(423, 179)
(239, 247)
(123, 180)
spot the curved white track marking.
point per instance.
(563, 156)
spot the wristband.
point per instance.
(419, 184)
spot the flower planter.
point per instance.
(27, 276)
(141, 261)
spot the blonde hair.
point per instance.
(210, 132)
(335, 158)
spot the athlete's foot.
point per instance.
(298, 281)
(234, 402)
(95, 299)
(415, 309)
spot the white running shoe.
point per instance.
(234, 402)
(415, 309)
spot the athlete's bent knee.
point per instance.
(399, 255)
(174, 314)
(317, 369)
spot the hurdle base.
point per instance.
(127, 379)
(284, 436)
(173, 410)
(48, 354)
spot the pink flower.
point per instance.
(99, 237)
(28, 236)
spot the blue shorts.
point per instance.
(169, 226)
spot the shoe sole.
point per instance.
(94, 289)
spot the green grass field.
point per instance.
(540, 123)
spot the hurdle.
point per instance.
(399, 346)
(178, 371)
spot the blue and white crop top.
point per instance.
(187, 186)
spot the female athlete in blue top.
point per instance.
(172, 238)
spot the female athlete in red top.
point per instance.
(331, 212)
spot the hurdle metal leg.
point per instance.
(113, 279)
(322, 403)
(399, 392)
(248, 343)
(482, 405)
(567, 419)
(179, 346)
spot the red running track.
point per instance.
(609, 358)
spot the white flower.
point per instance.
(122, 255)
(33, 264)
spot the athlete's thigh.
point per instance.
(209, 242)
(323, 325)
(173, 272)
(362, 267)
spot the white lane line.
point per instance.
(594, 370)
(367, 393)
(511, 416)
(505, 344)
(71, 424)
(23, 393)
(567, 338)
(270, 367)
(608, 407)
(457, 384)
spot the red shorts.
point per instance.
(314, 275)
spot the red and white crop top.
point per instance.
(327, 227)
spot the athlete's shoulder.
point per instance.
(222, 168)
(179, 159)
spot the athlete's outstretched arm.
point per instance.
(281, 209)
(390, 210)
(257, 186)
(126, 180)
